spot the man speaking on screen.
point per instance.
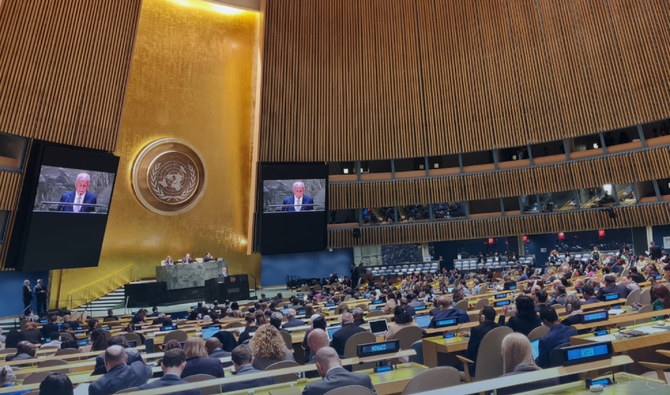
(81, 197)
(299, 201)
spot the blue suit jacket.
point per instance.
(559, 334)
(168, 380)
(461, 315)
(289, 201)
(68, 197)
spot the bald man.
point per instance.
(317, 339)
(119, 376)
(341, 336)
(330, 368)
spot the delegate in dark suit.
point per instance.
(121, 377)
(247, 369)
(557, 335)
(476, 335)
(27, 299)
(203, 365)
(338, 377)
(613, 289)
(133, 356)
(341, 336)
(167, 380)
(68, 197)
(307, 203)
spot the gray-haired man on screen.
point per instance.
(81, 197)
(299, 201)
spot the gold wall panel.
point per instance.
(627, 217)
(192, 78)
(361, 80)
(643, 165)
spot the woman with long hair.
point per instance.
(517, 355)
(268, 347)
(198, 361)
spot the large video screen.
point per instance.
(62, 214)
(292, 208)
(289, 196)
(73, 191)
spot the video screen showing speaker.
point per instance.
(292, 208)
(73, 191)
(63, 209)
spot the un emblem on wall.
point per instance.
(169, 176)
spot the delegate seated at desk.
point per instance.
(558, 334)
(446, 311)
(334, 375)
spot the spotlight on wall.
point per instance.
(561, 236)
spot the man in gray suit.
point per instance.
(329, 365)
(119, 376)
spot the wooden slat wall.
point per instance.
(634, 216)
(378, 79)
(64, 67)
(622, 168)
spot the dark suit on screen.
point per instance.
(338, 377)
(69, 197)
(306, 200)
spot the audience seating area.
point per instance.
(402, 269)
(471, 264)
(430, 351)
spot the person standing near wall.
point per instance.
(41, 297)
(27, 297)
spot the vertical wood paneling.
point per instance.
(645, 215)
(650, 164)
(64, 68)
(63, 74)
(362, 80)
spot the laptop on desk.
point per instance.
(423, 320)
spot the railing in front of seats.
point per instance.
(101, 287)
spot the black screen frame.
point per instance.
(37, 242)
(274, 233)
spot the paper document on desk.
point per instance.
(615, 311)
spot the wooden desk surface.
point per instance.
(656, 336)
(392, 382)
(626, 383)
(622, 319)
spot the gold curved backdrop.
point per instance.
(193, 77)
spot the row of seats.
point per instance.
(473, 264)
(398, 270)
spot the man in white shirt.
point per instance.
(299, 201)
